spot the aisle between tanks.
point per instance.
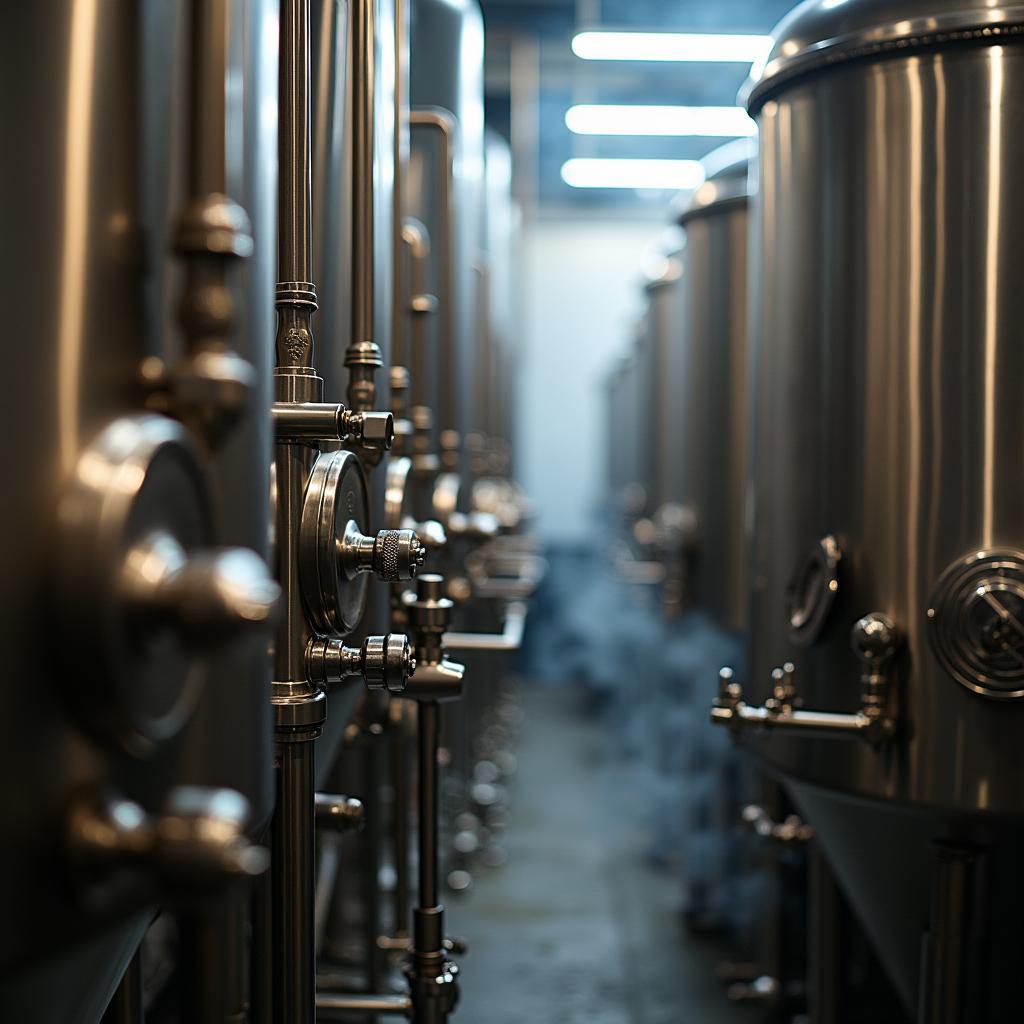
(577, 926)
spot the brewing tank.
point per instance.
(708, 452)
(888, 440)
(92, 274)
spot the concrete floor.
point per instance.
(578, 927)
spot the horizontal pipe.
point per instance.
(825, 722)
(509, 639)
(336, 1006)
(308, 421)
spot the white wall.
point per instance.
(583, 291)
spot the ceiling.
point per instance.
(529, 42)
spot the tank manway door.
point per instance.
(976, 614)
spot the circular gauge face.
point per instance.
(976, 623)
(135, 682)
(812, 591)
(335, 498)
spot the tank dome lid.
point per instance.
(725, 179)
(821, 33)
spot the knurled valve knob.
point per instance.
(392, 555)
(384, 662)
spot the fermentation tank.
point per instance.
(119, 188)
(708, 467)
(887, 485)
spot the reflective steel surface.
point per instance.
(93, 286)
(712, 375)
(886, 356)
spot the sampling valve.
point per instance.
(875, 640)
(391, 555)
(383, 662)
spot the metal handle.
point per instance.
(436, 119)
(416, 241)
(509, 639)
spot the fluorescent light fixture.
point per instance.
(674, 46)
(718, 122)
(652, 174)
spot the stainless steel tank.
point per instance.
(94, 245)
(888, 445)
(707, 383)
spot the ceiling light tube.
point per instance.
(715, 122)
(671, 46)
(636, 174)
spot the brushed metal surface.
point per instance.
(713, 342)
(91, 288)
(887, 362)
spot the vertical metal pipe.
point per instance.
(126, 1006)
(296, 294)
(399, 311)
(207, 164)
(823, 953)
(292, 464)
(202, 965)
(952, 963)
(370, 861)
(400, 822)
(262, 952)
(295, 191)
(363, 356)
(299, 706)
(363, 70)
(293, 870)
(428, 727)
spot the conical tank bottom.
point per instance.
(880, 856)
(886, 857)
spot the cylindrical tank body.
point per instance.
(90, 212)
(707, 473)
(888, 431)
(660, 352)
(645, 383)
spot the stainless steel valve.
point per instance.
(384, 662)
